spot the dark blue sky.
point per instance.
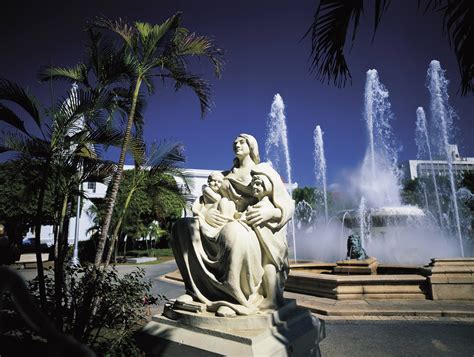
(264, 56)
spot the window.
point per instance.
(91, 186)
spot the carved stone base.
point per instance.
(354, 266)
(289, 331)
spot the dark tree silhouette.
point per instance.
(335, 20)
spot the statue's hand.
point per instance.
(215, 218)
(261, 213)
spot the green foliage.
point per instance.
(155, 252)
(120, 307)
(411, 193)
(307, 194)
(468, 181)
(156, 198)
(19, 199)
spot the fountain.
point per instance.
(397, 234)
(381, 219)
(320, 166)
(442, 116)
(378, 180)
(423, 144)
(276, 145)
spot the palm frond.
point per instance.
(187, 43)
(120, 27)
(164, 156)
(328, 38)
(9, 117)
(152, 35)
(108, 63)
(77, 73)
(149, 84)
(12, 92)
(380, 7)
(31, 147)
(183, 78)
(97, 170)
(124, 104)
(459, 24)
(137, 148)
(104, 136)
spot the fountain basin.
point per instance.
(385, 216)
(442, 279)
(383, 220)
(357, 287)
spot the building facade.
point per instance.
(422, 168)
(190, 183)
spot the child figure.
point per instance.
(212, 198)
(271, 235)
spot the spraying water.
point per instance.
(442, 115)
(343, 237)
(320, 165)
(423, 144)
(276, 145)
(364, 221)
(379, 176)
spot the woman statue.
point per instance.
(237, 264)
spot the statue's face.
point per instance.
(259, 188)
(241, 147)
(215, 183)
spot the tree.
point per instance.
(144, 52)
(18, 201)
(412, 192)
(149, 180)
(331, 27)
(62, 156)
(307, 194)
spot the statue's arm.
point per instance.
(261, 213)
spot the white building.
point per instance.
(190, 184)
(422, 168)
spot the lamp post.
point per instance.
(75, 253)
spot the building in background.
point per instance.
(190, 184)
(422, 168)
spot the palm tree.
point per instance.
(143, 52)
(65, 143)
(162, 159)
(331, 27)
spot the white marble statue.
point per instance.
(233, 254)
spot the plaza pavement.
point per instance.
(361, 328)
(166, 282)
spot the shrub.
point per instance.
(100, 308)
(155, 252)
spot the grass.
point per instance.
(162, 255)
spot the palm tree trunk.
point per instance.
(117, 178)
(118, 226)
(39, 214)
(59, 265)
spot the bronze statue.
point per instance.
(354, 248)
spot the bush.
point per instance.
(99, 308)
(87, 250)
(155, 252)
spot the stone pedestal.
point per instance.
(359, 267)
(451, 279)
(289, 331)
